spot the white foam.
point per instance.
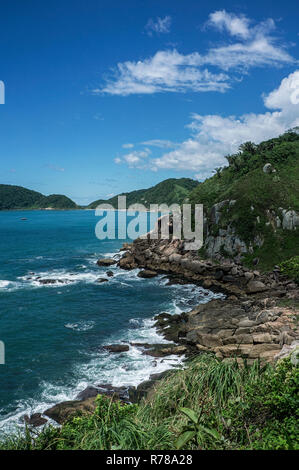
(128, 368)
(81, 325)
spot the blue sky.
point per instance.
(103, 97)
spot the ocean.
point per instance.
(54, 333)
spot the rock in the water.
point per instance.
(35, 420)
(102, 279)
(51, 281)
(147, 273)
(110, 273)
(116, 348)
(121, 393)
(88, 392)
(106, 261)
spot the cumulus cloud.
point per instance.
(235, 25)
(134, 159)
(171, 71)
(214, 136)
(165, 71)
(158, 26)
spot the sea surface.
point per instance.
(54, 333)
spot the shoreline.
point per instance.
(240, 325)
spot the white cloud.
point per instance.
(171, 71)
(127, 146)
(165, 71)
(214, 136)
(159, 26)
(118, 160)
(235, 25)
(135, 158)
(160, 143)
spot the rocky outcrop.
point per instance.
(247, 324)
(249, 329)
(221, 235)
(68, 409)
(171, 258)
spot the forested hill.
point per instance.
(170, 191)
(17, 197)
(252, 205)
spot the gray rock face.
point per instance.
(290, 220)
(268, 168)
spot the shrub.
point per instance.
(291, 268)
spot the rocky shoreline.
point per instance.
(252, 322)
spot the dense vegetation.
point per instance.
(170, 191)
(290, 267)
(17, 197)
(258, 195)
(208, 405)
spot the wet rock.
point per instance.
(110, 273)
(106, 261)
(35, 420)
(102, 279)
(147, 273)
(88, 392)
(127, 262)
(116, 348)
(51, 281)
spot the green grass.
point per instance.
(237, 406)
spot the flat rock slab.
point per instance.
(116, 348)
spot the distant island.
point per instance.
(17, 197)
(170, 191)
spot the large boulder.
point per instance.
(147, 273)
(106, 261)
(127, 262)
(268, 168)
(68, 409)
(35, 420)
(290, 220)
(254, 287)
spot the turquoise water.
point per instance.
(53, 333)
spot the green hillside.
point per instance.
(17, 197)
(259, 198)
(169, 192)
